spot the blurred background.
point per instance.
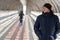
(10, 26)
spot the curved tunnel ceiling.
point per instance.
(9, 4)
(36, 5)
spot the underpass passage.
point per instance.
(10, 28)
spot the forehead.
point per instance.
(44, 7)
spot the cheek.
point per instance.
(46, 10)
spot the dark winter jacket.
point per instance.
(21, 15)
(47, 26)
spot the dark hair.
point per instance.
(47, 5)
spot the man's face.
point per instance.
(46, 10)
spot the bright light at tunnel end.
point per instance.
(24, 5)
(24, 9)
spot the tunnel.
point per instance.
(10, 26)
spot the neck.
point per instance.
(47, 13)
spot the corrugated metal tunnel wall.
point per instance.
(34, 5)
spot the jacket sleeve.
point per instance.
(36, 27)
(57, 29)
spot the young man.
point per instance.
(47, 25)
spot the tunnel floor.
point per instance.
(22, 32)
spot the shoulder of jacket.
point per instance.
(56, 16)
(39, 16)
